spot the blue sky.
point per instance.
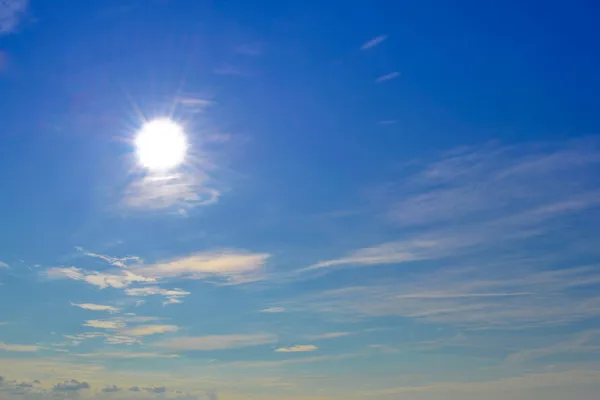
(379, 200)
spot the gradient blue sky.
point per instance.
(382, 200)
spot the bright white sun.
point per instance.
(161, 145)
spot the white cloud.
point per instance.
(328, 335)
(21, 348)
(373, 42)
(273, 310)
(96, 307)
(120, 262)
(3, 265)
(120, 279)
(11, 14)
(182, 190)
(233, 266)
(300, 348)
(512, 297)
(126, 355)
(172, 295)
(216, 342)
(387, 77)
(146, 330)
(104, 324)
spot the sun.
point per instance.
(161, 145)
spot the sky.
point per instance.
(371, 200)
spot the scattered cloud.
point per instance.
(12, 13)
(216, 342)
(474, 298)
(3, 264)
(155, 389)
(96, 307)
(301, 348)
(104, 324)
(119, 280)
(120, 262)
(181, 191)
(373, 42)
(127, 355)
(22, 348)
(194, 104)
(172, 296)
(273, 310)
(146, 330)
(329, 335)
(233, 266)
(111, 389)
(585, 342)
(387, 77)
(70, 386)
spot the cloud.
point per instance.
(3, 264)
(111, 389)
(233, 266)
(230, 70)
(301, 348)
(134, 389)
(104, 324)
(172, 295)
(181, 191)
(146, 330)
(156, 389)
(194, 104)
(216, 342)
(70, 386)
(329, 335)
(585, 342)
(273, 310)
(373, 42)
(120, 262)
(473, 298)
(119, 280)
(388, 122)
(22, 348)
(290, 361)
(127, 355)
(96, 307)
(387, 77)
(11, 14)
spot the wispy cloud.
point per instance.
(232, 266)
(329, 335)
(181, 191)
(21, 348)
(96, 307)
(273, 310)
(121, 262)
(146, 330)
(104, 324)
(585, 342)
(11, 15)
(473, 298)
(3, 265)
(126, 355)
(216, 342)
(172, 296)
(300, 348)
(194, 104)
(373, 42)
(387, 77)
(119, 279)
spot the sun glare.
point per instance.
(161, 145)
